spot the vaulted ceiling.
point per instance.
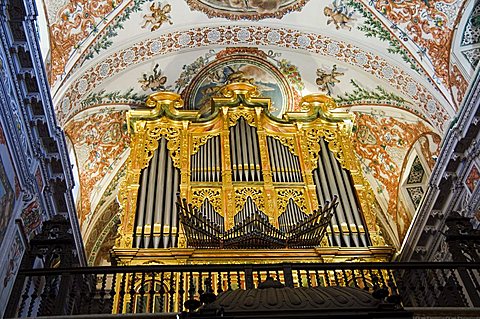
(401, 66)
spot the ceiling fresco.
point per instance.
(246, 9)
(274, 77)
(99, 139)
(382, 143)
(426, 102)
(389, 62)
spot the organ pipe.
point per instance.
(156, 222)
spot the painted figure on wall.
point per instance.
(158, 16)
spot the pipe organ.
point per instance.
(245, 179)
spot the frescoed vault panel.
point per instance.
(425, 102)
(348, 84)
(100, 139)
(382, 142)
(428, 24)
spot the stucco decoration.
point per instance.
(246, 9)
(382, 143)
(99, 140)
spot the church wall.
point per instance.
(35, 180)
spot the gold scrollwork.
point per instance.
(284, 196)
(213, 195)
(256, 194)
(288, 141)
(199, 140)
(248, 115)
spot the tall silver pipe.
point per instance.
(289, 164)
(272, 161)
(256, 153)
(297, 168)
(346, 201)
(238, 147)
(243, 143)
(233, 154)
(356, 216)
(141, 206)
(218, 163)
(160, 193)
(150, 196)
(329, 172)
(251, 161)
(219, 158)
(276, 154)
(325, 187)
(171, 218)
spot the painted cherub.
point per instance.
(339, 15)
(155, 81)
(158, 16)
(326, 80)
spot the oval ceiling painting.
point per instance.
(241, 65)
(246, 9)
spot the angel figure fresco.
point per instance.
(158, 16)
(155, 81)
(339, 15)
(326, 79)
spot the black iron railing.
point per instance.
(149, 289)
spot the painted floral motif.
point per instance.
(361, 95)
(246, 9)
(427, 25)
(430, 147)
(116, 97)
(104, 38)
(31, 217)
(382, 144)
(458, 85)
(76, 22)
(99, 140)
(319, 44)
(372, 27)
(104, 233)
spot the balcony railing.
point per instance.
(160, 289)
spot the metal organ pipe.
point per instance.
(256, 154)
(333, 186)
(238, 147)
(348, 209)
(245, 152)
(155, 214)
(356, 211)
(141, 207)
(150, 198)
(325, 187)
(218, 163)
